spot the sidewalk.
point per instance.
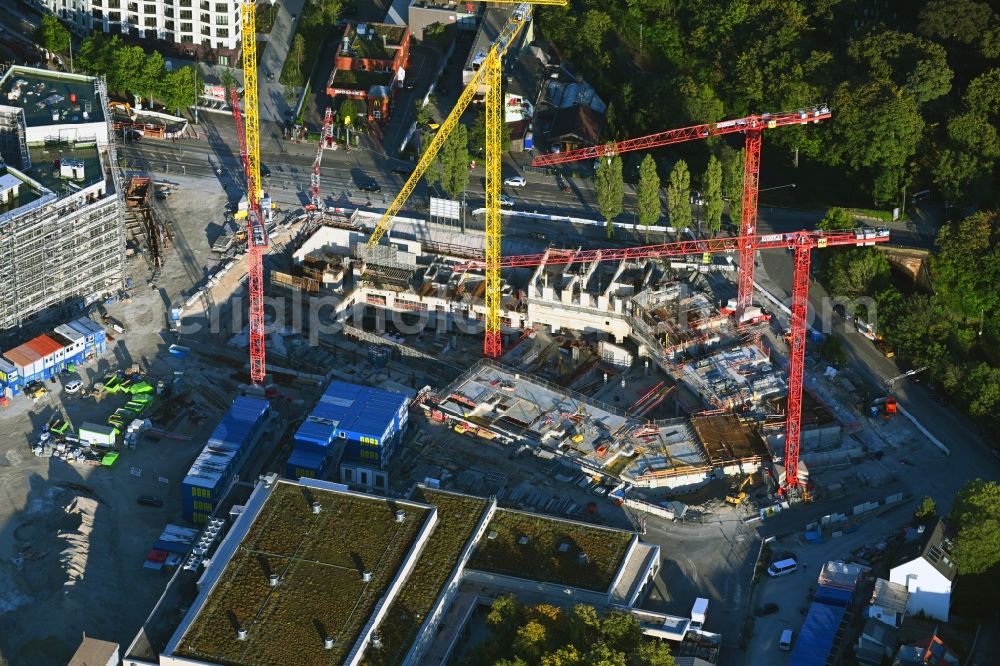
(271, 94)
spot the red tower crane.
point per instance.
(800, 242)
(256, 247)
(752, 126)
(325, 141)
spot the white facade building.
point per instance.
(208, 24)
(927, 570)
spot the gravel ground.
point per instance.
(72, 538)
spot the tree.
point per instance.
(53, 35)
(530, 640)
(96, 55)
(926, 511)
(679, 196)
(610, 187)
(856, 272)
(653, 654)
(228, 80)
(126, 68)
(151, 80)
(879, 126)
(179, 88)
(960, 20)
(967, 268)
(477, 135)
(732, 183)
(648, 194)
(454, 157)
(975, 522)
(712, 191)
(348, 109)
(505, 614)
(433, 174)
(917, 65)
(621, 631)
(297, 54)
(584, 625)
(836, 219)
(421, 114)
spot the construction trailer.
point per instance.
(354, 426)
(223, 458)
(46, 355)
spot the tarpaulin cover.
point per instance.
(815, 639)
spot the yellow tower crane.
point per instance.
(490, 76)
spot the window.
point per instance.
(114, 4)
(364, 478)
(98, 14)
(149, 9)
(115, 16)
(186, 27)
(380, 480)
(187, 39)
(224, 60)
(185, 15)
(96, 3)
(221, 32)
(206, 31)
(348, 475)
(221, 7)
(221, 19)
(150, 22)
(169, 25)
(185, 3)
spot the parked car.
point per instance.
(515, 181)
(782, 567)
(370, 186)
(506, 200)
(74, 386)
(149, 500)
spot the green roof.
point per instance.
(319, 559)
(541, 558)
(458, 516)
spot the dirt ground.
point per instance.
(72, 537)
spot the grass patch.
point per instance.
(348, 78)
(540, 558)
(457, 518)
(439, 35)
(319, 558)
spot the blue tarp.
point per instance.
(835, 596)
(815, 639)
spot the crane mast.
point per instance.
(248, 130)
(325, 141)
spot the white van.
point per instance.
(786, 640)
(782, 567)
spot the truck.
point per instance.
(699, 613)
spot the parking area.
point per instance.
(792, 593)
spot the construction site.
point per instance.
(368, 353)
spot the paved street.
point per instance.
(271, 93)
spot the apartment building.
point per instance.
(208, 28)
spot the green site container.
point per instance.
(140, 387)
(109, 459)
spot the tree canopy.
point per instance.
(679, 196)
(648, 193)
(899, 79)
(545, 635)
(610, 189)
(975, 522)
(53, 35)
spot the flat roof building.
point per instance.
(356, 426)
(310, 572)
(217, 466)
(62, 228)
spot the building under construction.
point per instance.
(62, 231)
